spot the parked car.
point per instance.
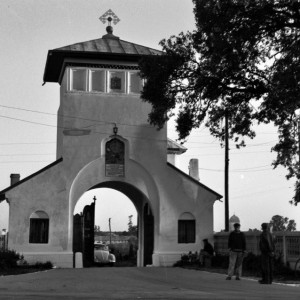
(102, 254)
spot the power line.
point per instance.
(74, 117)
(258, 192)
(236, 170)
(26, 161)
(27, 154)
(97, 132)
(41, 143)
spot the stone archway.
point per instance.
(138, 186)
(83, 228)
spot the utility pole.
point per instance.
(226, 175)
(109, 231)
(297, 196)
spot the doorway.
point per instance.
(128, 230)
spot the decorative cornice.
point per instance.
(102, 66)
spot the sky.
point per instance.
(28, 29)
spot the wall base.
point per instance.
(165, 259)
(58, 259)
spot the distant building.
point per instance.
(115, 239)
(105, 141)
(233, 219)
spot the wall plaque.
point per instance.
(114, 158)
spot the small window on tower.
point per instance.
(98, 80)
(78, 79)
(135, 83)
(117, 82)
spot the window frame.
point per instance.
(38, 234)
(184, 234)
(141, 85)
(107, 74)
(90, 81)
(71, 81)
(108, 77)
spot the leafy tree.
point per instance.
(97, 228)
(280, 223)
(132, 229)
(241, 62)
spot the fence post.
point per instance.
(284, 249)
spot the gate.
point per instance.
(148, 235)
(83, 234)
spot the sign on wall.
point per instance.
(114, 158)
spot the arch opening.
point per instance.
(115, 215)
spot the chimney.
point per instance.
(14, 178)
(193, 169)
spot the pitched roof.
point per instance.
(218, 196)
(109, 47)
(175, 148)
(2, 193)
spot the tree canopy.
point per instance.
(241, 62)
(281, 223)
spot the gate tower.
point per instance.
(104, 140)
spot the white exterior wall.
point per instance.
(56, 191)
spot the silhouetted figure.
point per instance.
(267, 247)
(207, 251)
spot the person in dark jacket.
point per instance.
(207, 251)
(267, 247)
(237, 249)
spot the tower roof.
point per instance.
(109, 47)
(234, 219)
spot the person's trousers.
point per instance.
(266, 268)
(235, 263)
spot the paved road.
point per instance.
(137, 283)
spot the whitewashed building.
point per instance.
(105, 141)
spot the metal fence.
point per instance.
(287, 244)
(3, 242)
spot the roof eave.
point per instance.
(2, 193)
(55, 60)
(218, 196)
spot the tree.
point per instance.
(97, 228)
(132, 229)
(280, 223)
(243, 62)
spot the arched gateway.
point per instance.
(104, 140)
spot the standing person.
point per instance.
(207, 251)
(237, 248)
(266, 247)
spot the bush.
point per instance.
(42, 266)
(9, 259)
(220, 261)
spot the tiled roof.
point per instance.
(109, 47)
(175, 148)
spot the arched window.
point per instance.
(114, 158)
(186, 228)
(39, 228)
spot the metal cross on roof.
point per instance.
(108, 17)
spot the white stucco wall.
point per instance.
(56, 190)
